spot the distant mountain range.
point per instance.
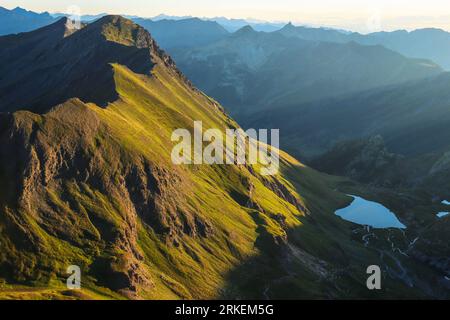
(231, 25)
(432, 44)
(253, 71)
(184, 33)
(20, 20)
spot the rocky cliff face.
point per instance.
(55, 185)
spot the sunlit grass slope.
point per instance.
(210, 217)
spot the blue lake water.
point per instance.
(370, 213)
(443, 214)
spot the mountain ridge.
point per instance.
(413, 44)
(109, 40)
(183, 33)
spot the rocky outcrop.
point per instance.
(70, 180)
(366, 160)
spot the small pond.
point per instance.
(370, 213)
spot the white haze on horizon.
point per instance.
(355, 15)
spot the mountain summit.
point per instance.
(67, 62)
(246, 30)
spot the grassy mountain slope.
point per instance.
(125, 199)
(99, 190)
(93, 185)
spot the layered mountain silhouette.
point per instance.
(184, 33)
(233, 25)
(314, 34)
(251, 71)
(20, 20)
(432, 44)
(172, 32)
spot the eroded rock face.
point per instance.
(65, 177)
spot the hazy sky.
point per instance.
(361, 15)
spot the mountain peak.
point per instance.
(118, 29)
(62, 28)
(288, 26)
(68, 25)
(290, 29)
(113, 18)
(19, 10)
(93, 50)
(246, 30)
